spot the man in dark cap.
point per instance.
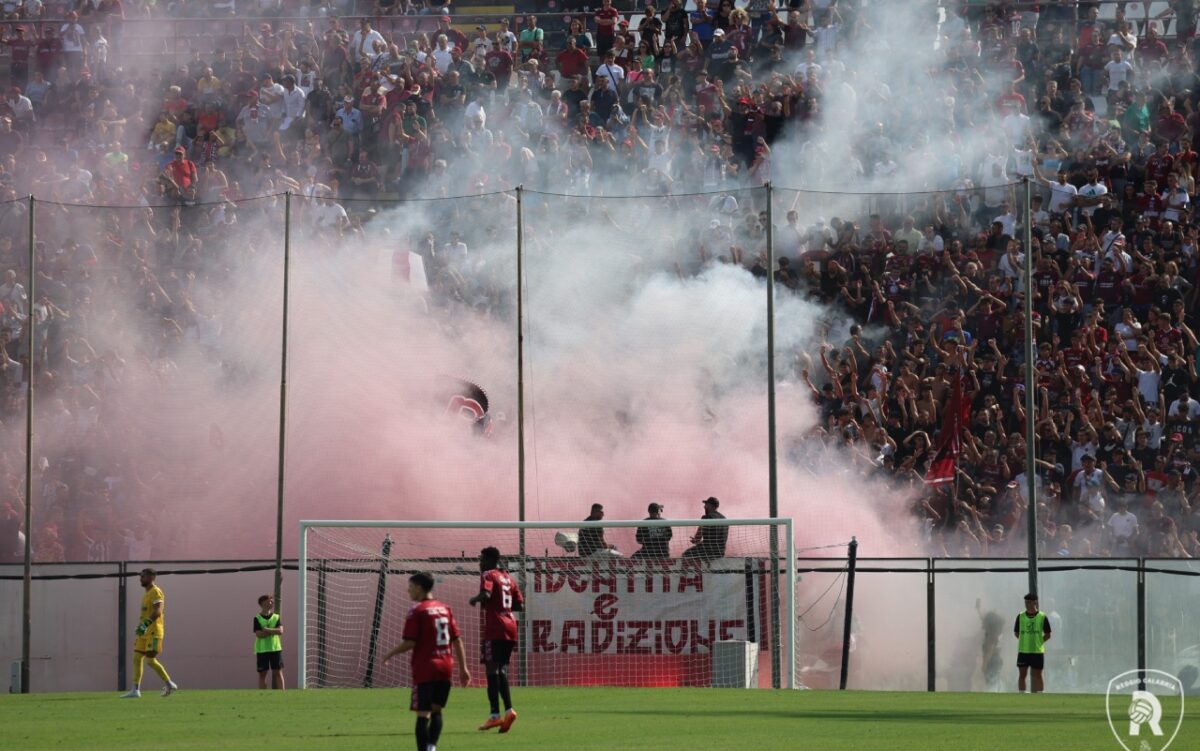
(709, 542)
(655, 541)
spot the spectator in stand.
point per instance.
(606, 18)
(21, 49)
(458, 40)
(572, 61)
(530, 40)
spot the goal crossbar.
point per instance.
(781, 550)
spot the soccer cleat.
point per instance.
(509, 718)
(169, 689)
(492, 722)
(133, 694)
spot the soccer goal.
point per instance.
(620, 603)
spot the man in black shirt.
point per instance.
(574, 95)
(709, 542)
(655, 541)
(591, 539)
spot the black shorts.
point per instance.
(1035, 660)
(425, 695)
(269, 661)
(497, 651)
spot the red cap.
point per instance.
(180, 150)
(1177, 438)
(252, 94)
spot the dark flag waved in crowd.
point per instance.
(945, 461)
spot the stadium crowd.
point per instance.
(349, 110)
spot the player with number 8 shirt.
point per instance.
(500, 597)
(432, 635)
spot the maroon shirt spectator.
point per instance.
(606, 26)
(572, 61)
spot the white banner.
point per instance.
(628, 607)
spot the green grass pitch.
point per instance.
(570, 720)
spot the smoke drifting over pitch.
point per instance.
(645, 361)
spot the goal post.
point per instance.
(657, 609)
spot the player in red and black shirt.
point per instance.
(500, 597)
(431, 634)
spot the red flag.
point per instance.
(945, 461)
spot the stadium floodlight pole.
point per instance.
(772, 457)
(521, 362)
(522, 661)
(27, 578)
(283, 366)
(1030, 386)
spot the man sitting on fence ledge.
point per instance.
(591, 539)
(655, 541)
(709, 542)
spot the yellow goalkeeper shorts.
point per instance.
(148, 643)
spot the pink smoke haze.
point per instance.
(639, 388)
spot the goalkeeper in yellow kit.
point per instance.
(149, 641)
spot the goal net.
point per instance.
(653, 609)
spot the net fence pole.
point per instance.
(1030, 384)
(522, 658)
(793, 640)
(377, 617)
(122, 624)
(303, 605)
(772, 457)
(27, 578)
(930, 627)
(283, 362)
(848, 626)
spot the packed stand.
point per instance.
(937, 290)
(348, 112)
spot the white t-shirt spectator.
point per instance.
(1061, 196)
(292, 106)
(614, 73)
(364, 44)
(442, 58)
(1185, 407)
(1124, 525)
(1129, 334)
(1091, 488)
(1176, 200)
(802, 70)
(1090, 190)
(1148, 381)
(826, 37)
(1118, 72)
(507, 40)
(1016, 125)
(73, 37)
